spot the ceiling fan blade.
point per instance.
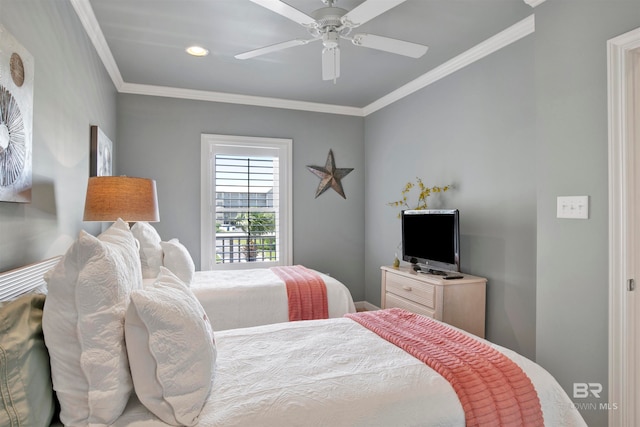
(367, 11)
(287, 11)
(273, 48)
(387, 44)
(330, 63)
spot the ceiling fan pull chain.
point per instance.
(335, 67)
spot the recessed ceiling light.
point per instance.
(197, 51)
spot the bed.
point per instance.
(242, 298)
(234, 298)
(309, 374)
(338, 372)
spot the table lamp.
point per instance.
(128, 198)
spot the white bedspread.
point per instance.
(336, 373)
(242, 298)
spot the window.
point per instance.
(246, 209)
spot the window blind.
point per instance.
(246, 208)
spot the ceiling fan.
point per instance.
(330, 24)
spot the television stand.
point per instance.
(458, 302)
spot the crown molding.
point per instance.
(534, 3)
(92, 27)
(232, 98)
(500, 40)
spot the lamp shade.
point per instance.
(113, 197)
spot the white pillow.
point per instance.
(150, 249)
(83, 325)
(178, 259)
(171, 350)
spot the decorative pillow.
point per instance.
(150, 249)
(25, 377)
(83, 324)
(178, 259)
(171, 350)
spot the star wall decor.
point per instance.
(330, 176)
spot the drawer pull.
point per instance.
(407, 288)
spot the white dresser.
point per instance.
(458, 302)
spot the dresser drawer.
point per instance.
(411, 289)
(398, 302)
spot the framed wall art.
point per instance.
(16, 120)
(101, 163)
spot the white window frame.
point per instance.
(213, 144)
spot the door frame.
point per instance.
(622, 58)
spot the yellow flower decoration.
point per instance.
(425, 192)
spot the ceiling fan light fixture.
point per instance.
(197, 51)
(330, 63)
(330, 39)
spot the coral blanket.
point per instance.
(493, 390)
(306, 292)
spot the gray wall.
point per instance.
(515, 131)
(71, 92)
(571, 111)
(159, 138)
(474, 129)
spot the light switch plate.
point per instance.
(575, 207)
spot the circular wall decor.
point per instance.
(17, 69)
(13, 147)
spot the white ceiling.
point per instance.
(142, 43)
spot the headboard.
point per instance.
(24, 279)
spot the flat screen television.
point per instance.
(431, 240)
